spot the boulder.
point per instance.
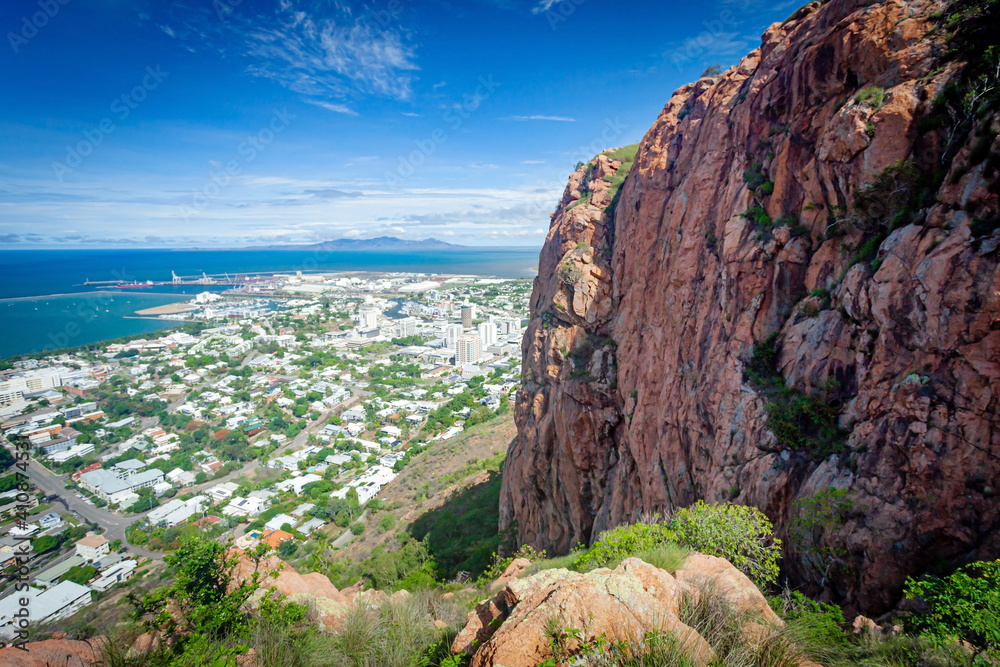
(513, 628)
(513, 571)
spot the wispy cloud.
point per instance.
(327, 52)
(330, 56)
(558, 119)
(330, 106)
(532, 161)
(544, 6)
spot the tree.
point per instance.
(712, 70)
(210, 600)
(115, 545)
(147, 500)
(6, 458)
(44, 543)
(965, 606)
(287, 549)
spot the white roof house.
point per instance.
(244, 507)
(116, 573)
(57, 602)
(310, 525)
(113, 486)
(298, 483)
(280, 520)
(223, 491)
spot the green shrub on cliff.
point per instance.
(614, 546)
(739, 533)
(799, 421)
(964, 606)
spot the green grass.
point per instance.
(669, 557)
(462, 535)
(871, 96)
(627, 156)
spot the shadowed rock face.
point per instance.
(634, 395)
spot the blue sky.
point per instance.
(227, 123)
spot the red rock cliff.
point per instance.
(794, 194)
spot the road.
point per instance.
(114, 525)
(347, 536)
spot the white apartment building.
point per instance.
(407, 326)
(29, 382)
(451, 334)
(487, 334)
(57, 602)
(92, 547)
(469, 349)
(113, 486)
(368, 318)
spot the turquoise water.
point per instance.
(60, 311)
(49, 322)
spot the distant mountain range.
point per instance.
(378, 243)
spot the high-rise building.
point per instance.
(368, 318)
(468, 314)
(469, 350)
(407, 326)
(487, 334)
(451, 334)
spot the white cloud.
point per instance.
(341, 55)
(330, 106)
(544, 6)
(320, 56)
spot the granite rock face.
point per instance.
(512, 628)
(645, 314)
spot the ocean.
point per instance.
(45, 305)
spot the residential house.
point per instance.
(58, 602)
(297, 483)
(92, 547)
(115, 574)
(280, 520)
(309, 526)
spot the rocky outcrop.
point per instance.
(740, 219)
(312, 590)
(515, 628)
(62, 652)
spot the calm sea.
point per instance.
(44, 304)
